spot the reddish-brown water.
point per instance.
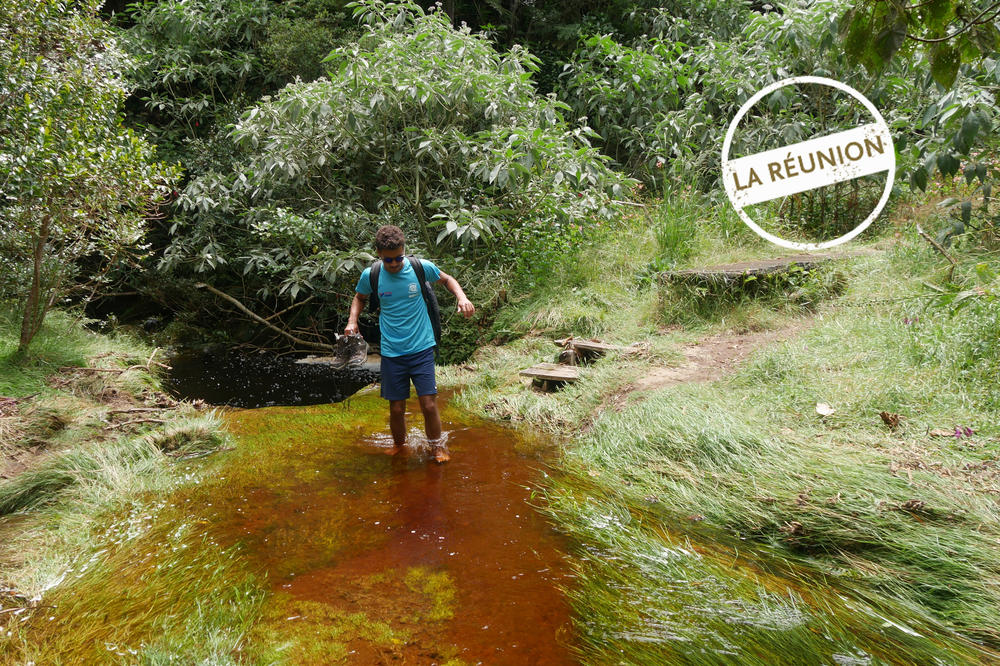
(357, 530)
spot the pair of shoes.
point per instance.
(351, 350)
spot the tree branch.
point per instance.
(978, 20)
(937, 246)
(258, 318)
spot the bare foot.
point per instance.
(440, 454)
(395, 450)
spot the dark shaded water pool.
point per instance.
(238, 379)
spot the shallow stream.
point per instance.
(307, 543)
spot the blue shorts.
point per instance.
(397, 371)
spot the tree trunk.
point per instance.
(32, 321)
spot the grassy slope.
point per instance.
(89, 488)
(903, 523)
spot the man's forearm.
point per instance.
(452, 285)
(357, 305)
(464, 305)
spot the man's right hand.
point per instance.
(351, 328)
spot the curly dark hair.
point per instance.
(389, 237)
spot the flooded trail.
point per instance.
(448, 560)
(307, 544)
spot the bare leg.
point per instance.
(432, 426)
(397, 422)
(432, 420)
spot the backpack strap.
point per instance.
(430, 299)
(373, 302)
(418, 268)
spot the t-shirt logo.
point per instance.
(413, 290)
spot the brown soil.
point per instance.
(710, 358)
(15, 460)
(704, 361)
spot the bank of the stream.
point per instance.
(834, 533)
(86, 431)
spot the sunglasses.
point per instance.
(394, 260)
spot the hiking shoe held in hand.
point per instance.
(351, 350)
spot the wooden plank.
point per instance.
(553, 371)
(588, 345)
(762, 267)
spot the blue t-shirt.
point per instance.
(406, 326)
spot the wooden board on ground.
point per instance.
(760, 267)
(553, 372)
(588, 345)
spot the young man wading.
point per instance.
(408, 337)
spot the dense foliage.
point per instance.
(200, 62)
(419, 124)
(958, 44)
(76, 185)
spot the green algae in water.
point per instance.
(310, 632)
(438, 590)
(282, 527)
(380, 621)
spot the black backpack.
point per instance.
(430, 300)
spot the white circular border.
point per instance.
(792, 245)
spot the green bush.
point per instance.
(196, 60)
(419, 124)
(626, 92)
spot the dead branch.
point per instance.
(137, 409)
(937, 246)
(258, 318)
(290, 307)
(125, 423)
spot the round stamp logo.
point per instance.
(809, 165)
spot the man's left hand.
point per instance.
(466, 307)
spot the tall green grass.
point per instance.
(102, 472)
(82, 511)
(62, 341)
(645, 594)
(895, 526)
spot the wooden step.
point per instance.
(552, 372)
(587, 345)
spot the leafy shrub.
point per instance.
(626, 92)
(196, 58)
(419, 124)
